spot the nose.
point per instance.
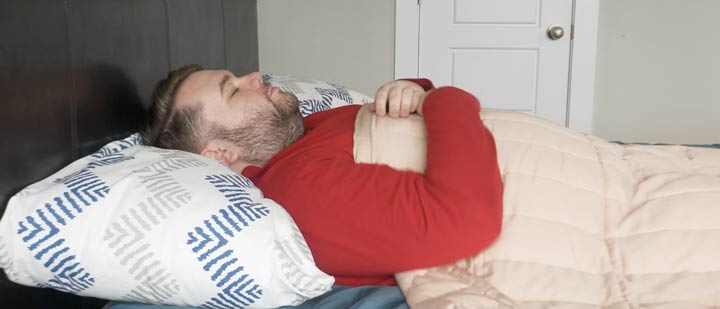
(252, 81)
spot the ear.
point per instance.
(221, 151)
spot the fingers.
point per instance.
(394, 102)
(406, 104)
(417, 96)
(381, 97)
(398, 98)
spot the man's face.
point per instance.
(229, 100)
(258, 118)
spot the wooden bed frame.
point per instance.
(76, 74)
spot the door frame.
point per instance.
(583, 53)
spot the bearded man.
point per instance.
(362, 222)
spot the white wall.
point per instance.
(350, 42)
(658, 71)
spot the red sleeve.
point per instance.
(378, 221)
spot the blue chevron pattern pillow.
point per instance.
(315, 96)
(143, 224)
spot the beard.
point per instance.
(265, 134)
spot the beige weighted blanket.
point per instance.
(587, 223)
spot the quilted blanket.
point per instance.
(587, 223)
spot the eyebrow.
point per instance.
(223, 82)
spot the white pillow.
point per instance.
(315, 96)
(138, 223)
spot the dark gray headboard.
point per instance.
(75, 74)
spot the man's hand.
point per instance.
(398, 98)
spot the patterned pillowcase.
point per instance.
(138, 223)
(315, 96)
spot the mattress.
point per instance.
(364, 297)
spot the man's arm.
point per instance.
(384, 221)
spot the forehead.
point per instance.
(200, 86)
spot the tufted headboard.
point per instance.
(76, 74)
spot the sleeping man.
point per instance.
(362, 222)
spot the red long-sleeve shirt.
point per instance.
(364, 222)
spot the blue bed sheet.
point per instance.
(364, 297)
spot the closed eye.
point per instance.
(234, 92)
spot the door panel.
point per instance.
(514, 84)
(496, 12)
(499, 50)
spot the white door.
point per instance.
(500, 51)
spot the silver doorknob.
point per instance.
(555, 32)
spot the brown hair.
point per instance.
(167, 127)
